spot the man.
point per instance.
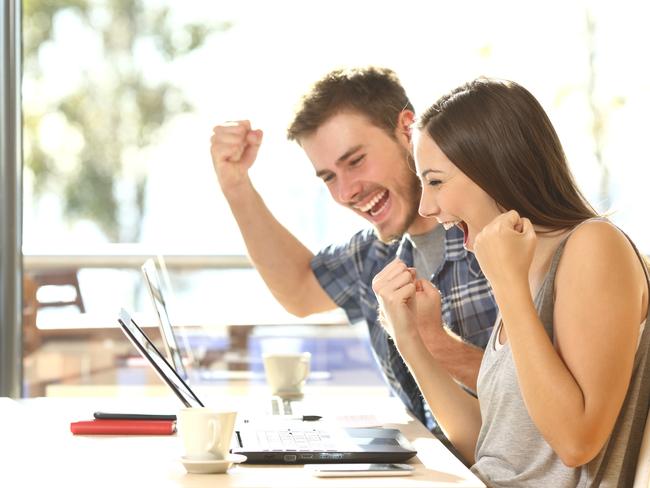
(354, 126)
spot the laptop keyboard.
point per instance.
(295, 440)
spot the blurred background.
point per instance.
(119, 101)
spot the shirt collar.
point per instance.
(454, 249)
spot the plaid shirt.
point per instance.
(346, 271)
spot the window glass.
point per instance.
(120, 97)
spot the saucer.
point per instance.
(202, 466)
(290, 394)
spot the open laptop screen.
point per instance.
(166, 330)
(147, 349)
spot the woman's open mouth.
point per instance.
(461, 225)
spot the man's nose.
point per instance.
(349, 190)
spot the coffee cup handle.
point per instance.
(213, 425)
(305, 367)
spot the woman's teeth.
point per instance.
(449, 225)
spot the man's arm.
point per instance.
(460, 359)
(281, 259)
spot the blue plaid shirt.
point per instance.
(346, 271)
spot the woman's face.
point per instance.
(448, 194)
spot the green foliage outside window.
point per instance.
(115, 110)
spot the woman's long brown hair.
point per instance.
(498, 134)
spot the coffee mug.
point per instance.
(206, 433)
(286, 373)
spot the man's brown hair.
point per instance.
(371, 91)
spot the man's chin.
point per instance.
(396, 232)
(388, 237)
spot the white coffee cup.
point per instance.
(286, 372)
(206, 433)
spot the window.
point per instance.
(120, 99)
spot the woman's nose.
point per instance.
(428, 207)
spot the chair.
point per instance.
(59, 277)
(642, 476)
(31, 337)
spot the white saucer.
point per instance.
(202, 466)
(289, 394)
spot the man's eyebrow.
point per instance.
(323, 172)
(340, 160)
(427, 171)
(348, 153)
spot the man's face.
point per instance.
(367, 171)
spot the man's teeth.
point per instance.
(449, 225)
(379, 210)
(372, 202)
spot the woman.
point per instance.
(571, 290)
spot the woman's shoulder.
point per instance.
(598, 245)
(598, 238)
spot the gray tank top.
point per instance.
(512, 453)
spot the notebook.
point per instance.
(123, 427)
(267, 442)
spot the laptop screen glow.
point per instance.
(166, 330)
(147, 349)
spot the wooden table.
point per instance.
(39, 450)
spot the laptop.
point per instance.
(182, 358)
(170, 342)
(266, 442)
(184, 361)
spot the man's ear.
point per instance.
(405, 121)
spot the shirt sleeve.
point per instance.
(338, 269)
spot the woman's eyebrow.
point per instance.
(427, 171)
